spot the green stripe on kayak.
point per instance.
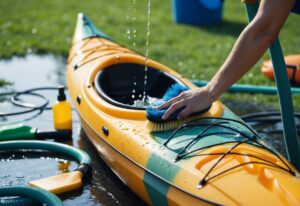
(156, 189)
(86, 29)
(161, 161)
(161, 164)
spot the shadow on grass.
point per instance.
(226, 27)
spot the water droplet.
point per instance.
(7, 24)
(8, 43)
(200, 186)
(238, 135)
(34, 31)
(29, 50)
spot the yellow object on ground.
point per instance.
(217, 160)
(62, 112)
(60, 183)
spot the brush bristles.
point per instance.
(169, 125)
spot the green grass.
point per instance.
(4, 83)
(46, 26)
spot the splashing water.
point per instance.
(147, 51)
(145, 102)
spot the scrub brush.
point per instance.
(155, 122)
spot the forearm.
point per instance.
(251, 44)
(246, 52)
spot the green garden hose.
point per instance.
(81, 156)
(58, 183)
(248, 88)
(25, 132)
(285, 96)
(31, 196)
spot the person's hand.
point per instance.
(193, 100)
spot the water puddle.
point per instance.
(33, 71)
(36, 166)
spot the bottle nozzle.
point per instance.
(61, 94)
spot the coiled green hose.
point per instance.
(81, 156)
(35, 193)
(33, 196)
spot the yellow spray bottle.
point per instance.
(62, 112)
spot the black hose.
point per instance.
(271, 117)
(31, 107)
(264, 114)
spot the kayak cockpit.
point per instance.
(122, 84)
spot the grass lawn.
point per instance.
(46, 26)
(4, 83)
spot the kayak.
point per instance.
(292, 66)
(214, 160)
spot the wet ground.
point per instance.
(103, 188)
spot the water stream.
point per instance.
(133, 19)
(147, 50)
(130, 20)
(131, 35)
